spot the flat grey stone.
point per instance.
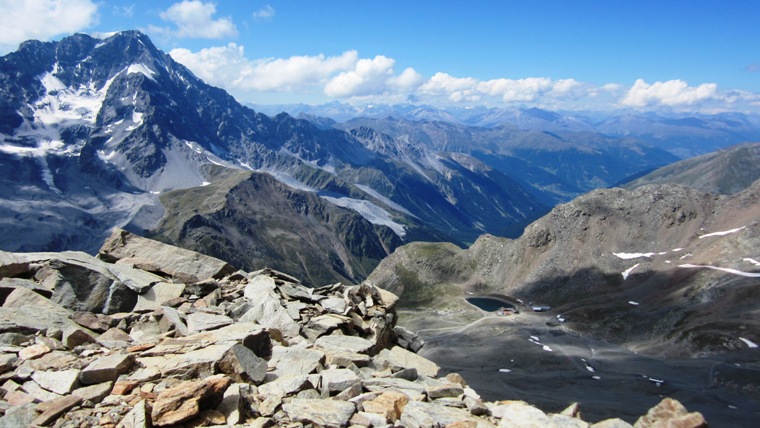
(145, 331)
(336, 305)
(138, 417)
(337, 380)
(422, 414)
(114, 338)
(269, 312)
(196, 364)
(106, 369)
(258, 287)
(19, 416)
(137, 280)
(94, 393)
(287, 361)
(400, 358)
(201, 321)
(12, 283)
(159, 293)
(187, 266)
(345, 343)
(329, 413)
(285, 385)
(381, 384)
(519, 414)
(60, 382)
(32, 388)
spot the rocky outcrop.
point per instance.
(225, 348)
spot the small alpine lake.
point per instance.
(490, 303)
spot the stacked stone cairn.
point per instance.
(147, 334)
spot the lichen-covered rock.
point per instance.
(670, 413)
(186, 400)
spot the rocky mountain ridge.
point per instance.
(251, 219)
(557, 165)
(94, 130)
(153, 335)
(684, 257)
(725, 172)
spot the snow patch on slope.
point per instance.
(373, 213)
(372, 192)
(728, 270)
(63, 104)
(725, 232)
(141, 69)
(628, 256)
(628, 271)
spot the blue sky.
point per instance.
(578, 55)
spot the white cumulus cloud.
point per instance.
(42, 19)
(195, 19)
(530, 89)
(408, 81)
(344, 76)
(669, 93)
(517, 90)
(456, 89)
(353, 79)
(228, 68)
(369, 77)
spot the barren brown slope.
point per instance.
(726, 172)
(567, 259)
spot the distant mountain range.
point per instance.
(97, 133)
(682, 134)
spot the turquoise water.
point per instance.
(489, 304)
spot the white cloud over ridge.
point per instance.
(42, 20)
(194, 19)
(368, 77)
(228, 68)
(669, 93)
(349, 78)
